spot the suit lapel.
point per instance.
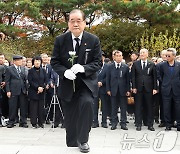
(15, 71)
(167, 69)
(175, 69)
(82, 48)
(139, 64)
(69, 42)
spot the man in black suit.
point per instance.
(118, 87)
(102, 95)
(49, 91)
(16, 90)
(78, 78)
(163, 56)
(144, 84)
(170, 88)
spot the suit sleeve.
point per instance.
(57, 58)
(30, 80)
(108, 78)
(155, 77)
(7, 79)
(133, 73)
(128, 79)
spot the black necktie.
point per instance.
(77, 45)
(144, 65)
(18, 70)
(118, 66)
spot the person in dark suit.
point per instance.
(118, 87)
(78, 78)
(37, 80)
(102, 95)
(16, 90)
(163, 56)
(170, 88)
(48, 92)
(144, 86)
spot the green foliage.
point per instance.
(116, 34)
(156, 43)
(27, 47)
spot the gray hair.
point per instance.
(173, 50)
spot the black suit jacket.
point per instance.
(170, 82)
(89, 56)
(36, 81)
(102, 78)
(112, 78)
(146, 78)
(15, 83)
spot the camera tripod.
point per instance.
(54, 102)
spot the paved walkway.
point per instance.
(102, 141)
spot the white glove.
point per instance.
(69, 75)
(77, 68)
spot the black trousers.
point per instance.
(117, 101)
(13, 106)
(144, 101)
(170, 108)
(104, 103)
(37, 111)
(78, 116)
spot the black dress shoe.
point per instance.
(55, 126)
(138, 128)
(48, 121)
(156, 121)
(95, 125)
(23, 125)
(41, 125)
(113, 127)
(124, 127)
(84, 147)
(161, 125)
(10, 126)
(34, 126)
(168, 129)
(104, 125)
(151, 128)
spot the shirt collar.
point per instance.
(143, 62)
(80, 36)
(16, 66)
(117, 64)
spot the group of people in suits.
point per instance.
(144, 79)
(26, 88)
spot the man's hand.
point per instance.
(2, 84)
(77, 68)
(128, 93)
(109, 93)
(154, 91)
(69, 74)
(8, 94)
(40, 89)
(100, 84)
(134, 91)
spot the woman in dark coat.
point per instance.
(37, 84)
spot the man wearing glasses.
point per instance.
(78, 78)
(170, 88)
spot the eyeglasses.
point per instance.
(73, 21)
